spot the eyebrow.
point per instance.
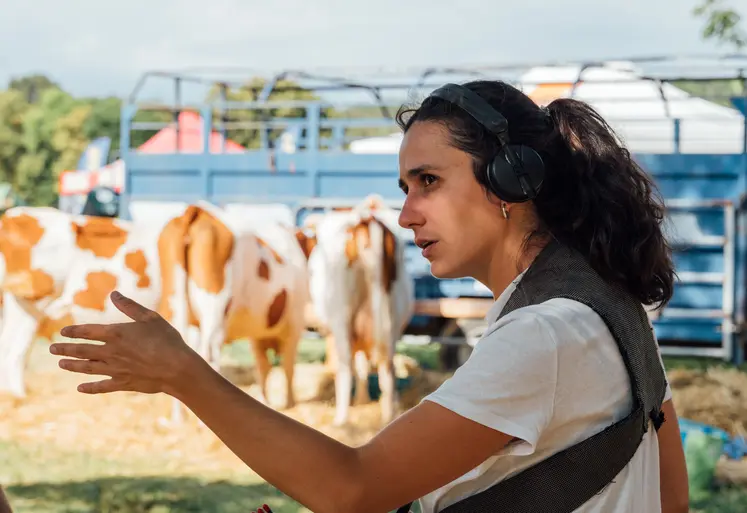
(416, 171)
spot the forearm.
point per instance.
(4, 505)
(312, 468)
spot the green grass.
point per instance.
(313, 351)
(51, 480)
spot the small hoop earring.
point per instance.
(505, 212)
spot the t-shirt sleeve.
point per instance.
(508, 383)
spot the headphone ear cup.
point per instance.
(503, 178)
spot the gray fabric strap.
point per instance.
(568, 479)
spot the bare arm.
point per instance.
(397, 466)
(402, 463)
(672, 469)
(4, 504)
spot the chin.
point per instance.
(444, 271)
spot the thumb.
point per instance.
(132, 309)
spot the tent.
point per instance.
(641, 112)
(190, 138)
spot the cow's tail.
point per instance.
(380, 297)
(173, 250)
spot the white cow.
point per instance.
(364, 297)
(223, 279)
(59, 269)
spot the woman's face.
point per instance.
(446, 206)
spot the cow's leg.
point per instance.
(262, 369)
(388, 399)
(362, 370)
(330, 354)
(18, 330)
(289, 364)
(288, 348)
(180, 321)
(343, 376)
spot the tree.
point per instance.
(32, 86)
(103, 120)
(37, 171)
(13, 106)
(722, 23)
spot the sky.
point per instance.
(98, 48)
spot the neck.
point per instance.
(509, 261)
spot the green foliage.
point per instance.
(32, 86)
(722, 23)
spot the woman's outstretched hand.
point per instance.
(147, 355)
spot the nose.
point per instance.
(409, 216)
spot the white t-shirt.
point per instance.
(551, 375)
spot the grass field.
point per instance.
(66, 453)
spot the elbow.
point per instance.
(678, 504)
(357, 495)
(347, 494)
(351, 498)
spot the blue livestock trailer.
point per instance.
(270, 142)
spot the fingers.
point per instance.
(132, 309)
(80, 351)
(86, 367)
(101, 332)
(101, 387)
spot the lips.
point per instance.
(426, 245)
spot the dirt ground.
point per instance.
(129, 425)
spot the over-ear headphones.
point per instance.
(516, 172)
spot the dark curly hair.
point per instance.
(595, 198)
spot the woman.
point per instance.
(541, 379)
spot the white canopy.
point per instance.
(639, 110)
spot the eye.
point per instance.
(428, 179)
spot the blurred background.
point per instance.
(285, 109)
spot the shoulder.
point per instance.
(550, 324)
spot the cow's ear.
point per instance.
(77, 228)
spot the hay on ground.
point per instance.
(715, 396)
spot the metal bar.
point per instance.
(313, 116)
(691, 277)
(693, 203)
(712, 352)
(704, 242)
(691, 313)
(727, 331)
(177, 111)
(223, 119)
(454, 308)
(342, 202)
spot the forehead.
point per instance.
(427, 144)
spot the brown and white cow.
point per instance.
(59, 269)
(363, 296)
(222, 278)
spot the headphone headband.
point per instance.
(516, 172)
(474, 105)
